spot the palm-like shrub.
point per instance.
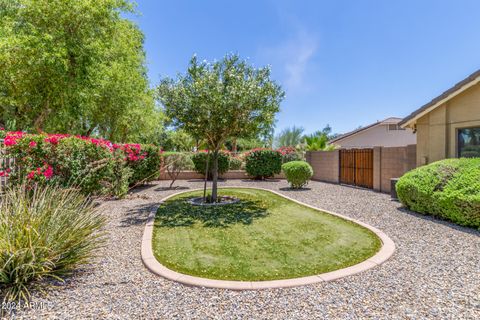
(263, 163)
(45, 233)
(289, 137)
(318, 142)
(298, 173)
(449, 189)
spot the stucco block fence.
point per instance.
(192, 175)
(388, 163)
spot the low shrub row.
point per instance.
(100, 167)
(259, 163)
(95, 166)
(449, 189)
(200, 162)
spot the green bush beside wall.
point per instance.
(449, 189)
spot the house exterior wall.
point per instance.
(378, 136)
(437, 130)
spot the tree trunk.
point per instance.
(214, 176)
(234, 145)
(206, 178)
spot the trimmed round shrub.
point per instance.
(199, 160)
(449, 189)
(298, 173)
(46, 233)
(235, 163)
(263, 163)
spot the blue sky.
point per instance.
(345, 63)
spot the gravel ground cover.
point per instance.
(434, 273)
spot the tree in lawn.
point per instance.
(221, 100)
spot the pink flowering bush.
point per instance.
(143, 160)
(95, 166)
(289, 154)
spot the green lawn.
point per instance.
(264, 237)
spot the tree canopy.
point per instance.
(221, 100)
(75, 66)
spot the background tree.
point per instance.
(289, 137)
(221, 100)
(75, 66)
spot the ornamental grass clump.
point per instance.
(298, 173)
(46, 232)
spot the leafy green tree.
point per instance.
(289, 137)
(221, 100)
(244, 144)
(74, 66)
(178, 140)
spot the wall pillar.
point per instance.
(377, 168)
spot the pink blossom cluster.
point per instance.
(133, 152)
(12, 137)
(286, 150)
(5, 173)
(46, 171)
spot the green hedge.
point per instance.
(235, 163)
(449, 189)
(199, 160)
(298, 173)
(263, 163)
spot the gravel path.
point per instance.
(434, 273)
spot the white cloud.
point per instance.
(294, 57)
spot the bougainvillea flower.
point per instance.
(48, 173)
(31, 175)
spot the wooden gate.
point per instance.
(356, 167)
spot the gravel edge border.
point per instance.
(149, 260)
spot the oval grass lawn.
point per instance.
(264, 237)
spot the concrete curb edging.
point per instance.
(149, 260)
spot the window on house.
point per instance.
(394, 127)
(468, 142)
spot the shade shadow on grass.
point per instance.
(179, 213)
